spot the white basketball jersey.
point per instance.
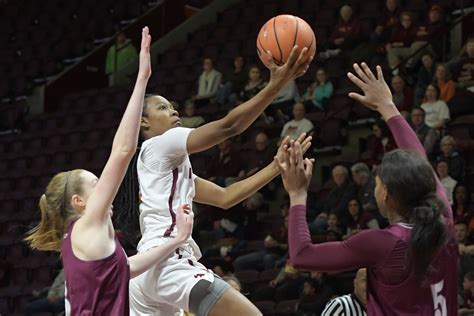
(166, 181)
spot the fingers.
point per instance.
(279, 165)
(362, 85)
(306, 143)
(293, 56)
(380, 73)
(361, 73)
(298, 155)
(357, 97)
(308, 170)
(306, 146)
(302, 55)
(301, 138)
(285, 142)
(304, 67)
(368, 72)
(271, 62)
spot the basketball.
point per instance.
(280, 34)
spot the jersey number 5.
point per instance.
(439, 300)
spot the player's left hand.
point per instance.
(285, 146)
(144, 70)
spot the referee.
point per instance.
(350, 304)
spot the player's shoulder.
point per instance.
(173, 134)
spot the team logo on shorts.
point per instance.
(199, 275)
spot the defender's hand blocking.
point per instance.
(144, 70)
(292, 69)
(377, 95)
(285, 145)
(184, 222)
(295, 172)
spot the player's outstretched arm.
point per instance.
(377, 96)
(210, 193)
(240, 118)
(124, 144)
(141, 262)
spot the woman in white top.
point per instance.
(437, 111)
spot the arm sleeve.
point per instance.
(406, 138)
(366, 249)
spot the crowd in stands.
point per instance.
(248, 243)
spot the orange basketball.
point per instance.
(280, 34)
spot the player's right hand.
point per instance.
(144, 70)
(184, 222)
(292, 69)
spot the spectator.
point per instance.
(448, 183)
(425, 77)
(233, 82)
(190, 119)
(428, 136)
(358, 219)
(437, 111)
(453, 157)
(464, 76)
(283, 100)
(467, 307)
(350, 304)
(334, 223)
(298, 125)
(402, 95)
(53, 302)
(319, 92)
(466, 250)
(336, 200)
(428, 32)
(379, 143)
(399, 45)
(366, 184)
(463, 209)
(119, 55)
(345, 35)
(209, 82)
(276, 246)
(259, 157)
(254, 84)
(233, 282)
(225, 164)
(317, 290)
(387, 21)
(446, 86)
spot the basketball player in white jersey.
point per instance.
(166, 180)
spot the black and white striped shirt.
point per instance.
(346, 305)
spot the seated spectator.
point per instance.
(345, 35)
(387, 21)
(350, 304)
(119, 55)
(463, 71)
(318, 93)
(358, 219)
(334, 223)
(225, 164)
(259, 157)
(53, 302)
(461, 234)
(467, 305)
(463, 209)
(254, 84)
(428, 136)
(366, 184)
(284, 99)
(448, 183)
(337, 198)
(276, 246)
(425, 77)
(428, 32)
(399, 45)
(189, 119)
(436, 110)
(402, 95)
(317, 290)
(298, 125)
(286, 286)
(209, 82)
(446, 86)
(453, 157)
(379, 143)
(232, 83)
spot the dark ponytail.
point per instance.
(428, 235)
(411, 183)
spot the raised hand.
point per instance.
(296, 172)
(144, 70)
(377, 95)
(285, 145)
(292, 69)
(184, 222)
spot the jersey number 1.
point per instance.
(439, 300)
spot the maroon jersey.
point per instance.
(392, 288)
(96, 287)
